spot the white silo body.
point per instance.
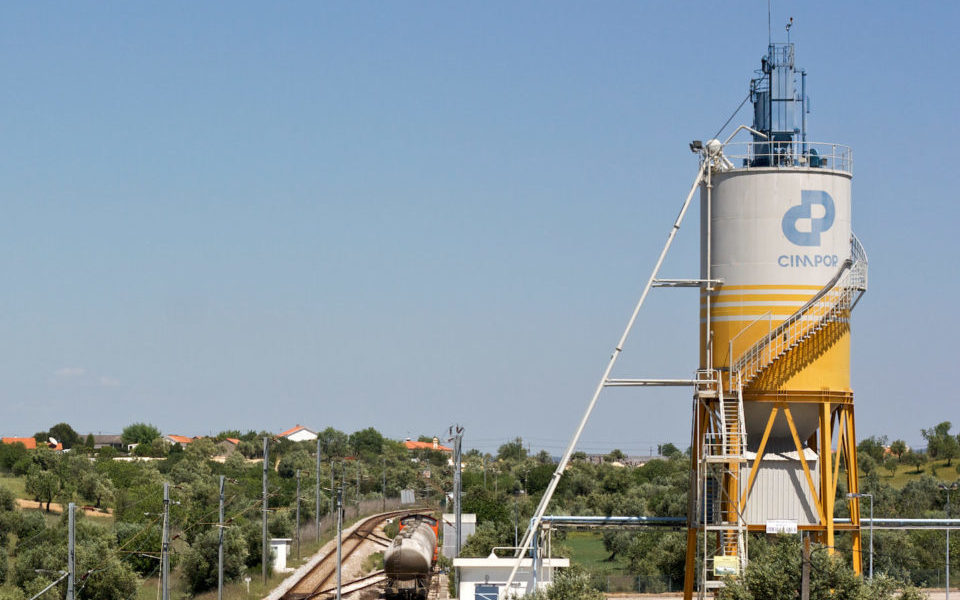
(777, 236)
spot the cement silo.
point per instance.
(781, 271)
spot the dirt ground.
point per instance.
(58, 509)
(353, 566)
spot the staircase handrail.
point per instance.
(838, 293)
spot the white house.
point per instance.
(485, 578)
(299, 434)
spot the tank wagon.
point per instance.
(408, 562)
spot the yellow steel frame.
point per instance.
(835, 415)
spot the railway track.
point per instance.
(321, 580)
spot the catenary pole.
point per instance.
(317, 514)
(220, 544)
(71, 552)
(457, 485)
(339, 539)
(298, 514)
(333, 486)
(165, 545)
(264, 547)
(565, 459)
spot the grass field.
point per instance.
(14, 484)
(905, 474)
(587, 550)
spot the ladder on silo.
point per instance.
(721, 523)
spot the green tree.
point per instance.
(670, 451)
(367, 443)
(891, 465)
(157, 448)
(140, 539)
(9, 516)
(940, 443)
(299, 458)
(914, 459)
(90, 442)
(42, 485)
(334, 443)
(490, 507)
(487, 536)
(572, 583)
(96, 488)
(866, 464)
(616, 455)
(63, 433)
(107, 577)
(200, 564)
(10, 454)
(873, 447)
(139, 433)
(512, 451)
(774, 574)
(898, 447)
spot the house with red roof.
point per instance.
(31, 443)
(434, 445)
(178, 439)
(28, 442)
(299, 434)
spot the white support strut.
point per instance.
(562, 465)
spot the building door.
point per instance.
(486, 592)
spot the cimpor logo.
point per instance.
(799, 224)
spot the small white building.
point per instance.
(468, 526)
(279, 551)
(299, 434)
(485, 578)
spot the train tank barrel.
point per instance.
(410, 556)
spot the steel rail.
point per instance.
(313, 581)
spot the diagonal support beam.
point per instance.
(841, 427)
(562, 465)
(803, 462)
(756, 461)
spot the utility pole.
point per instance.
(358, 483)
(317, 514)
(333, 486)
(264, 546)
(220, 545)
(383, 487)
(947, 489)
(805, 569)
(516, 523)
(484, 471)
(457, 442)
(71, 552)
(165, 545)
(298, 514)
(339, 539)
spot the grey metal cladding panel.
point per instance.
(780, 492)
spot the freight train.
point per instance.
(409, 560)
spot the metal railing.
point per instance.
(793, 154)
(832, 303)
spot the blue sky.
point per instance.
(407, 215)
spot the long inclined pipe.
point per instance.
(562, 465)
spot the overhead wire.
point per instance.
(744, 101)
